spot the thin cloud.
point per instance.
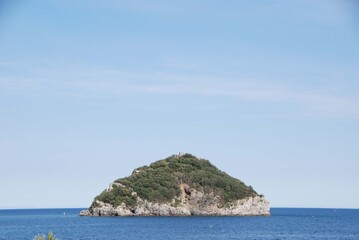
(107, 82)
(309, 103)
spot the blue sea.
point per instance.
(285, 223)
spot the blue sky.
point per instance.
(266, 90)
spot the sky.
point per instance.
(268, 91)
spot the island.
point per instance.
(180, 185)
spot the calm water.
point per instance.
(283, 224)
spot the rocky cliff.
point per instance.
(181, 185)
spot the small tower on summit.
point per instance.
(180, 154)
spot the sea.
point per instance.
(284, 223)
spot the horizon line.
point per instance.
(276, 207)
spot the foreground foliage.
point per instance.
(160, 181)
(50, 236)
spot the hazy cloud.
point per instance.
(105, 82)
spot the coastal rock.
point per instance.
(252, 206)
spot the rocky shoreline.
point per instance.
(197, 204)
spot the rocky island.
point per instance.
(180, 185)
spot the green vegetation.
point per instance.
(50, 236)
(160, 182)
(117, 196)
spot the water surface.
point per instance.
(285, 223)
